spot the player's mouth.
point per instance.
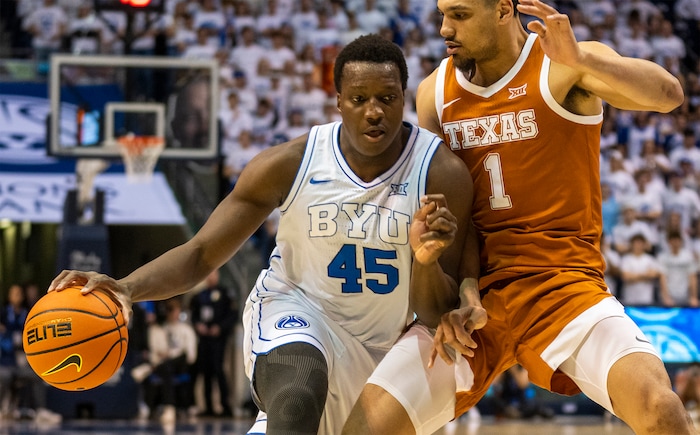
(374, 134)
(452, 47)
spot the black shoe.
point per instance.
(226, 413)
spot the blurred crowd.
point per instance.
(275, 62)
(174, 345)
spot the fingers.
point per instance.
(69, 278)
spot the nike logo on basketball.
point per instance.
(641, 340)
(449, 103)
(73, 359)
(315, 181)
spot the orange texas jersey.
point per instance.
(537, 200)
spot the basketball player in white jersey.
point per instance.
(364, 218)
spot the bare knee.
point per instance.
(377, 412)
(641, 395)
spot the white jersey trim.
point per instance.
(556, 107)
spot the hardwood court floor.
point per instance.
(487, 426)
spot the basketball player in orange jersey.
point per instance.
(524, 111)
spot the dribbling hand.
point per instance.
(91, 281)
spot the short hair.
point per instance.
(370, 48)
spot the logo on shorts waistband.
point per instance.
(291, 322)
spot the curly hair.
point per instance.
(370, 48)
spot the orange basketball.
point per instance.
(75, 342)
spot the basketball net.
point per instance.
(140, 155)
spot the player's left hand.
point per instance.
(433, 229)
(554, 30)
(455, 332)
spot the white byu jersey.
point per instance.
(342, 244)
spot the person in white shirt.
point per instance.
(669, 49)
(628, 227)
(682, 199)
(678, 283)
(202, 49)
(371, 19)
(688, 150)
(172, 349)
(640, 272)
(47, 25)
(246, 54)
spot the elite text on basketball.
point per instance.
(54, 329)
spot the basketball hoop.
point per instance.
(140, 154)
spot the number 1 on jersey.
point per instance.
(498, 199)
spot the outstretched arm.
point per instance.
(624, 82)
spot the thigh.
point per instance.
(427, 395)
(608, 341)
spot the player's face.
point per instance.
(469, 29)
(371, 105)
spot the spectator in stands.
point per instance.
(303, 21)
(324, 35)
(172, 346)
(85, 31)
(338, 16)
(24, 390)
(647, 199)
(672, 224)
(513, 396)
(610, 208)
(48, 25)
(279, 53)
(688, 150)
(669, 49)
(628, 227)
(213, 319)
(115, 31)
(310, 98)
(270, 20)
(201, 49)
(639, 272)
(371, 19)
(210, 17)
(238, 154)
(246, 54)
(612, 264)
(619, 177)
(682, 199)
(353, 31)
(653, 159)
(632, 41)
(678, 282)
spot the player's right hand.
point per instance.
(455, 332)
(91, 281)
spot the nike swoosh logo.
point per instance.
(315, 181)
(642, 340)
(449, 103)
(73, 359)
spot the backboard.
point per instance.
(97, 99)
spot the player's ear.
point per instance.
(506, 9)
(337, 102)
